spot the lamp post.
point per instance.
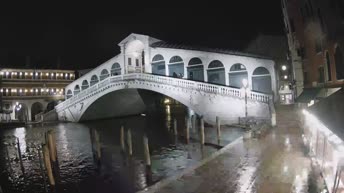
(245, 85)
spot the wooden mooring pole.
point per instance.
(175, 130)
(48, 165)
(202, 131)
(122, 139)
(218, 128)
(20, 157)
(187, 129)
(130, 145)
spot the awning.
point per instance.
(308, 94)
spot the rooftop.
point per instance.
(164, 44)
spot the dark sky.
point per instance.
(85, 35)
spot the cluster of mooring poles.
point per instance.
(46, 154)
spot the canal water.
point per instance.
(78, 170)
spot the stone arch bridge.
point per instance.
(118, 96)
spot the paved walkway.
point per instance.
(274, 163)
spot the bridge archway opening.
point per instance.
(21, 113)
(36, 108)
(158, 65)
(69, 94)
(116, 69)
(134, 102)
(236, 74)
(84, 85)
(261, 80)
(135, 56)
(216, 73)
(176, 67)
(104, 74)
(94, 80)
(76, 89)
(195, 69)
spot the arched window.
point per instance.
(339, 63)
(157, 58)
(115, 69)
(94, 80)
(104, 74)
(328, 67)
(84, 85)
(76, 89)
(215, 64)
(176, 67)
(195, 61)
(261, 80)
(216, 73)
(69, 94)
(237, 74)
(158, 65)
(176, 59)
(195, 70)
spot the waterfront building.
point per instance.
(25, 93)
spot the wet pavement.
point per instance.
(274, 163)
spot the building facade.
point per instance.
(25, 93)
(315, 32)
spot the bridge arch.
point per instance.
(195, 69)
(94, 80)
(261, 80)
(69, 94)
(236, 74)
(158, 65)
(84, 85)
(116, 69)
(76, 89)
(176, 67)
(104, 74)
(216, 73)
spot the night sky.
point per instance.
(85, 35)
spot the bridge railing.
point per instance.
(189, 84)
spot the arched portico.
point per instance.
(176, 67)
(84, 85)
(94, 80)
(158, 65)
(216, 73)
(237, 74)
(195, 69)
(261, 80)
(36, 108)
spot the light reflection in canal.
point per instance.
(78, 171)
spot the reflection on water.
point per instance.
(78, 170)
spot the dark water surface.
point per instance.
(78, 171)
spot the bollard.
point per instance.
(41, 168)
(130, 145)
(99, 154)
(20, 157)
(48, 165)
(202, 131)
(187, 130)
(218, 127)
(52, 146)
(175, 130)
(122, 139)
(146, 151)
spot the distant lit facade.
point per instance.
(315, 33)
(27, 92)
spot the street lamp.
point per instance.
(245, 85)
